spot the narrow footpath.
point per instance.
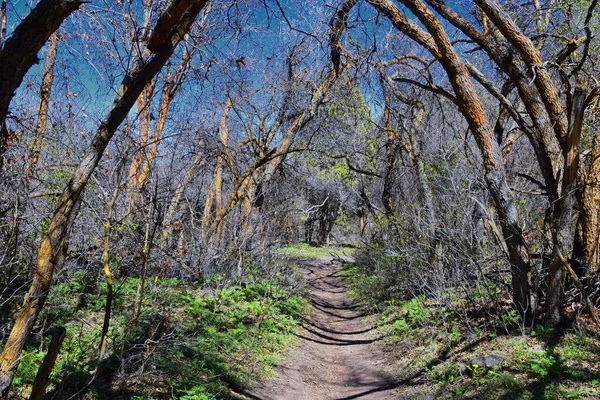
(337, 357)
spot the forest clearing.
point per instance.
(285, 199)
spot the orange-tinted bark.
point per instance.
(42, 117)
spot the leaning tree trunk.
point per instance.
(567, 137)
(42, 378)
(165, 37)
(19, 52)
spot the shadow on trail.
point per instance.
(326, 304)
(382, 388)
(338, 342)
(390, 385)
(324, 310)
(350, 341)
(333, 285)
(341, 291)
(245, 395)
(335, 359)
(334, 332)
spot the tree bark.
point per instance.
(561, 230)
(208, 211)
(533, 59)
(43, 375)
(221, 157)
(143, 108)
(391, 148)
(540, 136)
(146, 157)
(585, 248)
(42, 117)
(107, 272)
(142, 72)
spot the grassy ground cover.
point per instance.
(191, 341)
(474, 347)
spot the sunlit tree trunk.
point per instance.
(144, 103)
(42, 116)
(107, 272)
(143, 108)
(221, 159)
(171, 86)
(553, 106)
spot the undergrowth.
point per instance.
(471, 345)
(192, 341)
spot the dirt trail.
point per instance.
(338, 357)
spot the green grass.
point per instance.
(303, 250)
(444, 334)
(190, 342)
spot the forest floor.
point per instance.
(337, 357)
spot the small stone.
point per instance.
(488, 361)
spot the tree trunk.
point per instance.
(106, 267)
(171, 86)
(585, 248)
(207, 219)
(176, 199)
(561, 231)
(390, 153)
(42, 117)
(141, 287)
(19, 52)
(532, 57)
(134, 82)
(143, 108)
(2, 22)
(541, 138)
(40, 383)
(221, 157)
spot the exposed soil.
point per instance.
(337, 357)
